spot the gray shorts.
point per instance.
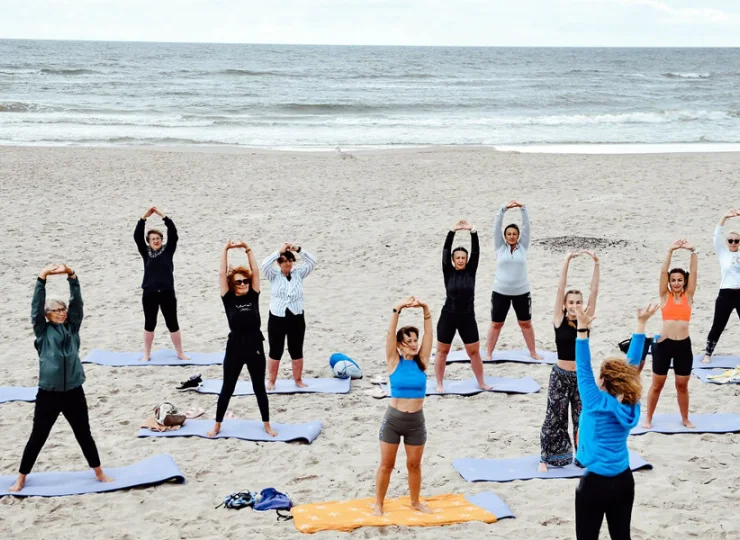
(397, 424)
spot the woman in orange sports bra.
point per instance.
(677, 289)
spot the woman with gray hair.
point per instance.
(61, 376)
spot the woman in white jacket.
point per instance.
(511, 285)
(728, 299)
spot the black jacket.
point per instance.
(158, 265)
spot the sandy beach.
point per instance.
(376, 221)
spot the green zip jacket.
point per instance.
(58, 345)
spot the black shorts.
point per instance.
(464, 323)
(292, 327)
(500, 304)
(677, 351)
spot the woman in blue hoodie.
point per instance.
(57, 329)
(611, 408)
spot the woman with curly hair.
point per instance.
(240, 290)
(611, 408)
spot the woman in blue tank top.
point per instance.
(404, 418)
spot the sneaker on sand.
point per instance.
(192, 383)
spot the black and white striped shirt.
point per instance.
(287, 294)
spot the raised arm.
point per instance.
(172, 236)
(268, 265)
(254, 267)
(391, 345)
(557, 311)
(309, 262)
(525, 235)
(472, 266)
(447, 253)
(591, 396)
(425, 351)
(75, 312)
(38, 304)
(637, 343)
(223, 269)
(139, 236)
(693, 266)
(663, 284)
(593, 291)
(498, 233)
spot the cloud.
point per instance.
(681, 15)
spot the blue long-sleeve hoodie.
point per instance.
(605, 423)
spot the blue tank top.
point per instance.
(408, 381)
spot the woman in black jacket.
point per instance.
(159, 281)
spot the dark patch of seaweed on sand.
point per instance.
(577, 243)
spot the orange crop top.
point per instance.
(676, 311)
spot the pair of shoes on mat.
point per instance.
(193, 383)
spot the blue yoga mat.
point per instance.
(282, 386)
(491, 502)
(704, 374)
(469, 387)
(17, 393)
(521, 356)
(163, 357)
(248, 430)
(705, 423)
(725, 362)
(524, 468)
(152, 471)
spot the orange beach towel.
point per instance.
(349, 515)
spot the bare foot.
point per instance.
(686, 422)
(215, 431)
(484, 386)
(145, 358)
(182, 356)
(300, 384)
(440, 388)
(707, 359)
(19, 483)
(270, 385)
(487, 358)
(535, 355)
(377, 509)
(542, 467)
(421, 507)
(103, 478)
(648, 423)
(268, 429)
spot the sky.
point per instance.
(607, 23)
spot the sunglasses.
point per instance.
(242, 281)
(733, 240)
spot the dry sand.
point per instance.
(376, 224)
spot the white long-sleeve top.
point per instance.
(287, 293)
(511, 266)
(729, 262)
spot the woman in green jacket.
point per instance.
(57, 328)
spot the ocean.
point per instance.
(286, 96)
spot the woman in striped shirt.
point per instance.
(286, 309)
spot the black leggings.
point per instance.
(238, 353)
(727, 301)
(152, 302)
(291, 326)
(73, 406)
(612, 496)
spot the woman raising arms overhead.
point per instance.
(511, 285)
(555, 445)
(458, 312)
(404, 419)
(677, 288)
